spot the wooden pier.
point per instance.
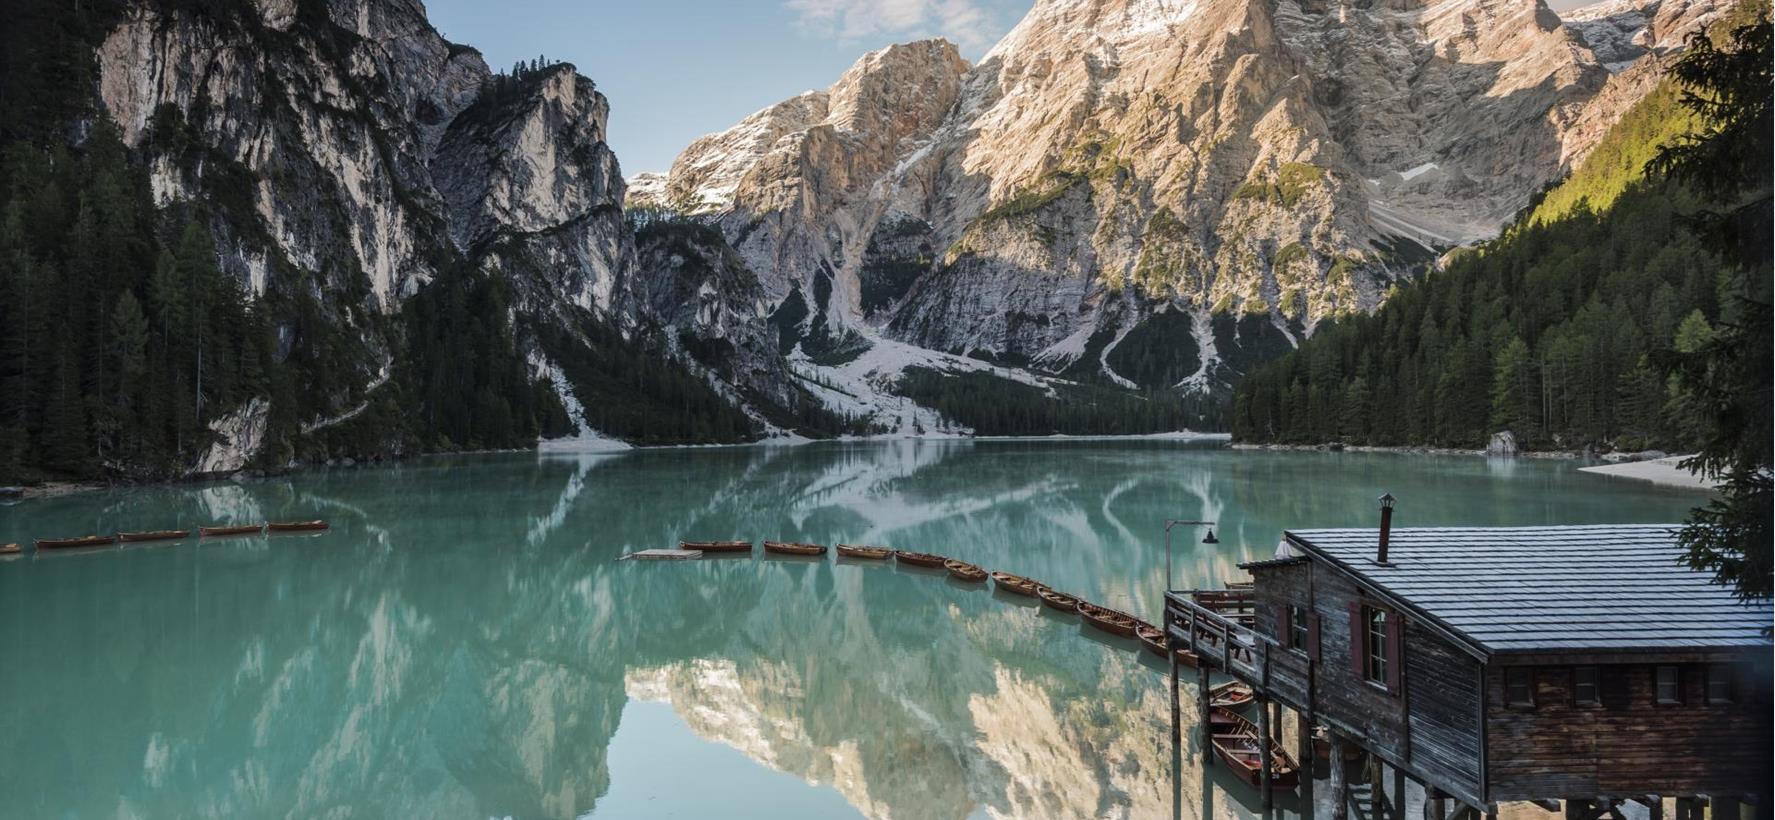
(1578, 668)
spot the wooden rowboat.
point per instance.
(242, 529)
(74, 543)
(1236, 743)
(155, 535)
(790, 548)
(1107, 620)
(1230, 695)
(919, 559)
(965, 571)
(1015, 583)
(870, 553)
(10, 549)
(716, 546)
(1153, 638)
(1056, 599)
(296, 526)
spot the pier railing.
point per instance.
(1216, 626)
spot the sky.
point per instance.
(675, 70)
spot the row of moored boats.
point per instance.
(87, 541)
(1235, 738)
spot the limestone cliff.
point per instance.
(1111, 162)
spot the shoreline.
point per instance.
(1413, 449)
(1650, 467)
(1653, 467)
(595, 445)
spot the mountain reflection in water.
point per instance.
(464, 643)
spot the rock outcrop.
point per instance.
(1110, 159)
(348, 154)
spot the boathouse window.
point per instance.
(1376, 641)
(1519, 686)
(1585, 691)
(1376, 645)
(1668, 684)
(1719, 683)
(1297, 628)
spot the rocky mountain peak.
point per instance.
(898, 91)
(1111, 160)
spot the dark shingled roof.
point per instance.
(1543, 589)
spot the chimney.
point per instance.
(1386, 527)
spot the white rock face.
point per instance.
(238, 438)
(1620, 32)
(1282, 159)
(366, 157)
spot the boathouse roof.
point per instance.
(1607, 588)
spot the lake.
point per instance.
(464, 643)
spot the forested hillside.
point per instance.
(1554, 331)
(154, 321)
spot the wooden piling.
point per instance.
(1176, 707)
(1206, 724)
(1340, 785)
(1265, 775)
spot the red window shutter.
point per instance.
(1358, 642)
(1395, 652)
(1285, 626)
(1313, 636)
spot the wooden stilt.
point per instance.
(1373, 773)
(1206, 723)
(1276, 718)
(1176, 706)
(1303, 746)
(1435, 806)
(1399, 793)
(1263, 749)
(1340, 786)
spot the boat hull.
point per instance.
(866, 553)
(212, 532)
(162, 535)
(919, 559)
(785, 548)
(964, 571)
(1230, 695)
(1107, 620)
(296, 526)
(716, 546)
(1236, 744)
(1015, 584)
(1057, 600)
(74, 543)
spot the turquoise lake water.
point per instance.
(464, 643)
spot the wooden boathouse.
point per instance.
(1581, 665)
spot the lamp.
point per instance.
(1172, 522)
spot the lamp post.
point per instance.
(1172, 522)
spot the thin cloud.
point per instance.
(967, 23)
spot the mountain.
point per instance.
(429, 254)
(1560, 331)
(1155, 193)
(258, 233)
